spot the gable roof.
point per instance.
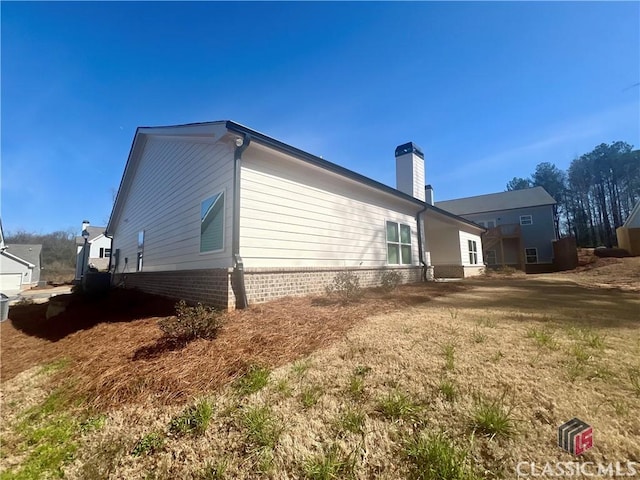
(94, 232)
(17, 259)
(528, 197)
(30, 253)
(207, 129)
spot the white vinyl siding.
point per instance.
(295, 214)
(470, 249)
(172, 178)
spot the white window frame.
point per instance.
(526, 219)
(399, 243)
(107, 253)
(527, 255)
(223, 194)
(488, 257)
(472, 247)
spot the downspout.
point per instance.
(420, 242)
(237, 280)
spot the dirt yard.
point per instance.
(469, 378)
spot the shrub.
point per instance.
(345, 286)
(190, 323)
(389, 280)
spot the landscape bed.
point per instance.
(445, 380)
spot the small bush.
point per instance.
(345, 286)
(389, 280)
(194, 419)
(190, 323)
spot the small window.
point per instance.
(101, 255)
(141, 240)
(526, 220)
(473, 252)
(492, 258)
(212, 223)
(398, 244)
(531, 255)
(107, 252)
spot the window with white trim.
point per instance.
(105, 252)
(212, 223)
(473, 252)
(491, 257)
(398, 244)
(531, 255)
(526, 220)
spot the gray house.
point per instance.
(32, 254)
(520, 226)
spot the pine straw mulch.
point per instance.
(118, 354)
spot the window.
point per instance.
(105, 252)
(492, 258)
(487, 223)
(531, 255)
(473, 252)
(212, 223)
(398, 244)
(526, 220)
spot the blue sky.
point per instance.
(488, 90)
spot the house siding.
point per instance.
(540, 234)
(296, 215)
(171, 180)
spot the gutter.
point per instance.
(420, 250)
(237, 279)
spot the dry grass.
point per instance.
(385, 355)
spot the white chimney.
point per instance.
(428, 193)
(85, 224)
(410, 170)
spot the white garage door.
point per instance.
(10, 282)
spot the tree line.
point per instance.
(58, 252)
(595, 194)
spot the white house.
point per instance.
(16, 274)
(93, 249)
(219, 213)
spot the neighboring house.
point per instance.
(95, 252)
(30, 253)
(15, 273)
(520, 226)
(221, 214)
(629, 233)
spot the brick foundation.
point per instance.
(214, 287)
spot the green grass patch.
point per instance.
(309, 396)
(301, 367)
(355, 389)
(194, 420)
(214, 470)
(448, 390)
(434, 457)
(148, 445)
(352, 421)
(492, 418)
(55, 366)
(331, 464)
(254, 380)
(449, 352)
(542, 336)
(397, 406)
(261, 426)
